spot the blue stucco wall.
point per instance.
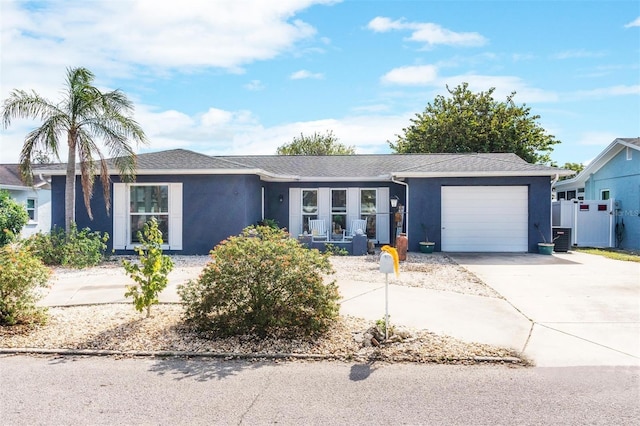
(214, 207)
(622, 178)
(425, 206)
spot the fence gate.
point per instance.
(592, 222)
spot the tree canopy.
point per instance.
(475, 122)
(316, 144)
(84, 116)
(576, 167)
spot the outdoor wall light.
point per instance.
(394, 201)
(281, 198)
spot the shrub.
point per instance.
(21, 274)
(262, 282)
(151, 274)
(77, 249)
(13, 217)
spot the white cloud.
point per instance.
(419, 75)
(580, 53)
(635, 23)
(254, 85)
(426, 32)
(604, 92)
(596, 139)
(503, 85)
(426, 75)
(121, 39)
(304, 74)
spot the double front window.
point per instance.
(339, 208)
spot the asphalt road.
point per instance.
(94, 390)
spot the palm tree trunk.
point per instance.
(70, 187)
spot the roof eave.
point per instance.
(550, 173)
(596, 164)
(15, 187)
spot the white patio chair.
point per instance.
(318, 230)
(356, 226)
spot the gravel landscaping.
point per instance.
(118, 329)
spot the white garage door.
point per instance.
(485, 218)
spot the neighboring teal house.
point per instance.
(614, 174)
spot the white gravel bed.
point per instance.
(435, 271)
(118, 327)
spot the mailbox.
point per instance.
(386, 263)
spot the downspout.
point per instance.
(406, 198)
(553, 182)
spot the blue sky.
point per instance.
(244, 77)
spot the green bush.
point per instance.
(151, 274)
(13, 217)
(262, 282)
(21, 274)
(77, 249)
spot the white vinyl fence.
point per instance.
(592, 222)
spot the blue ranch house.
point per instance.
(462, 202)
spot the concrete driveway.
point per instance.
(583, 309)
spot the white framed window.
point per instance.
(629, 153)
(368, 210)
(605, 194)
(31, 205)
(338, 210)
(309, 207)
(136, 203)
(147, 202)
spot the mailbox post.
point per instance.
(386, 267)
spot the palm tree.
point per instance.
(84, 115)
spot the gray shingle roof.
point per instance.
(374, 166)
(385, 165)
(10, 175)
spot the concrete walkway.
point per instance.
(562, 310)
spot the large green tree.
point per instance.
(475, 122)
(85, 116)
(316, 144)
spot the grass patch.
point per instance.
(611, 253)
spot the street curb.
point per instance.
(257, 355)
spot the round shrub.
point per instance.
(262, 282)
(76, 249)
(21, 275)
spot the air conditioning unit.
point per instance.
(561, 238)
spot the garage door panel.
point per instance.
(485, 218)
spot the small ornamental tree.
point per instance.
(262, 282)
(13, 217)
(151, 274)
(21, 276)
